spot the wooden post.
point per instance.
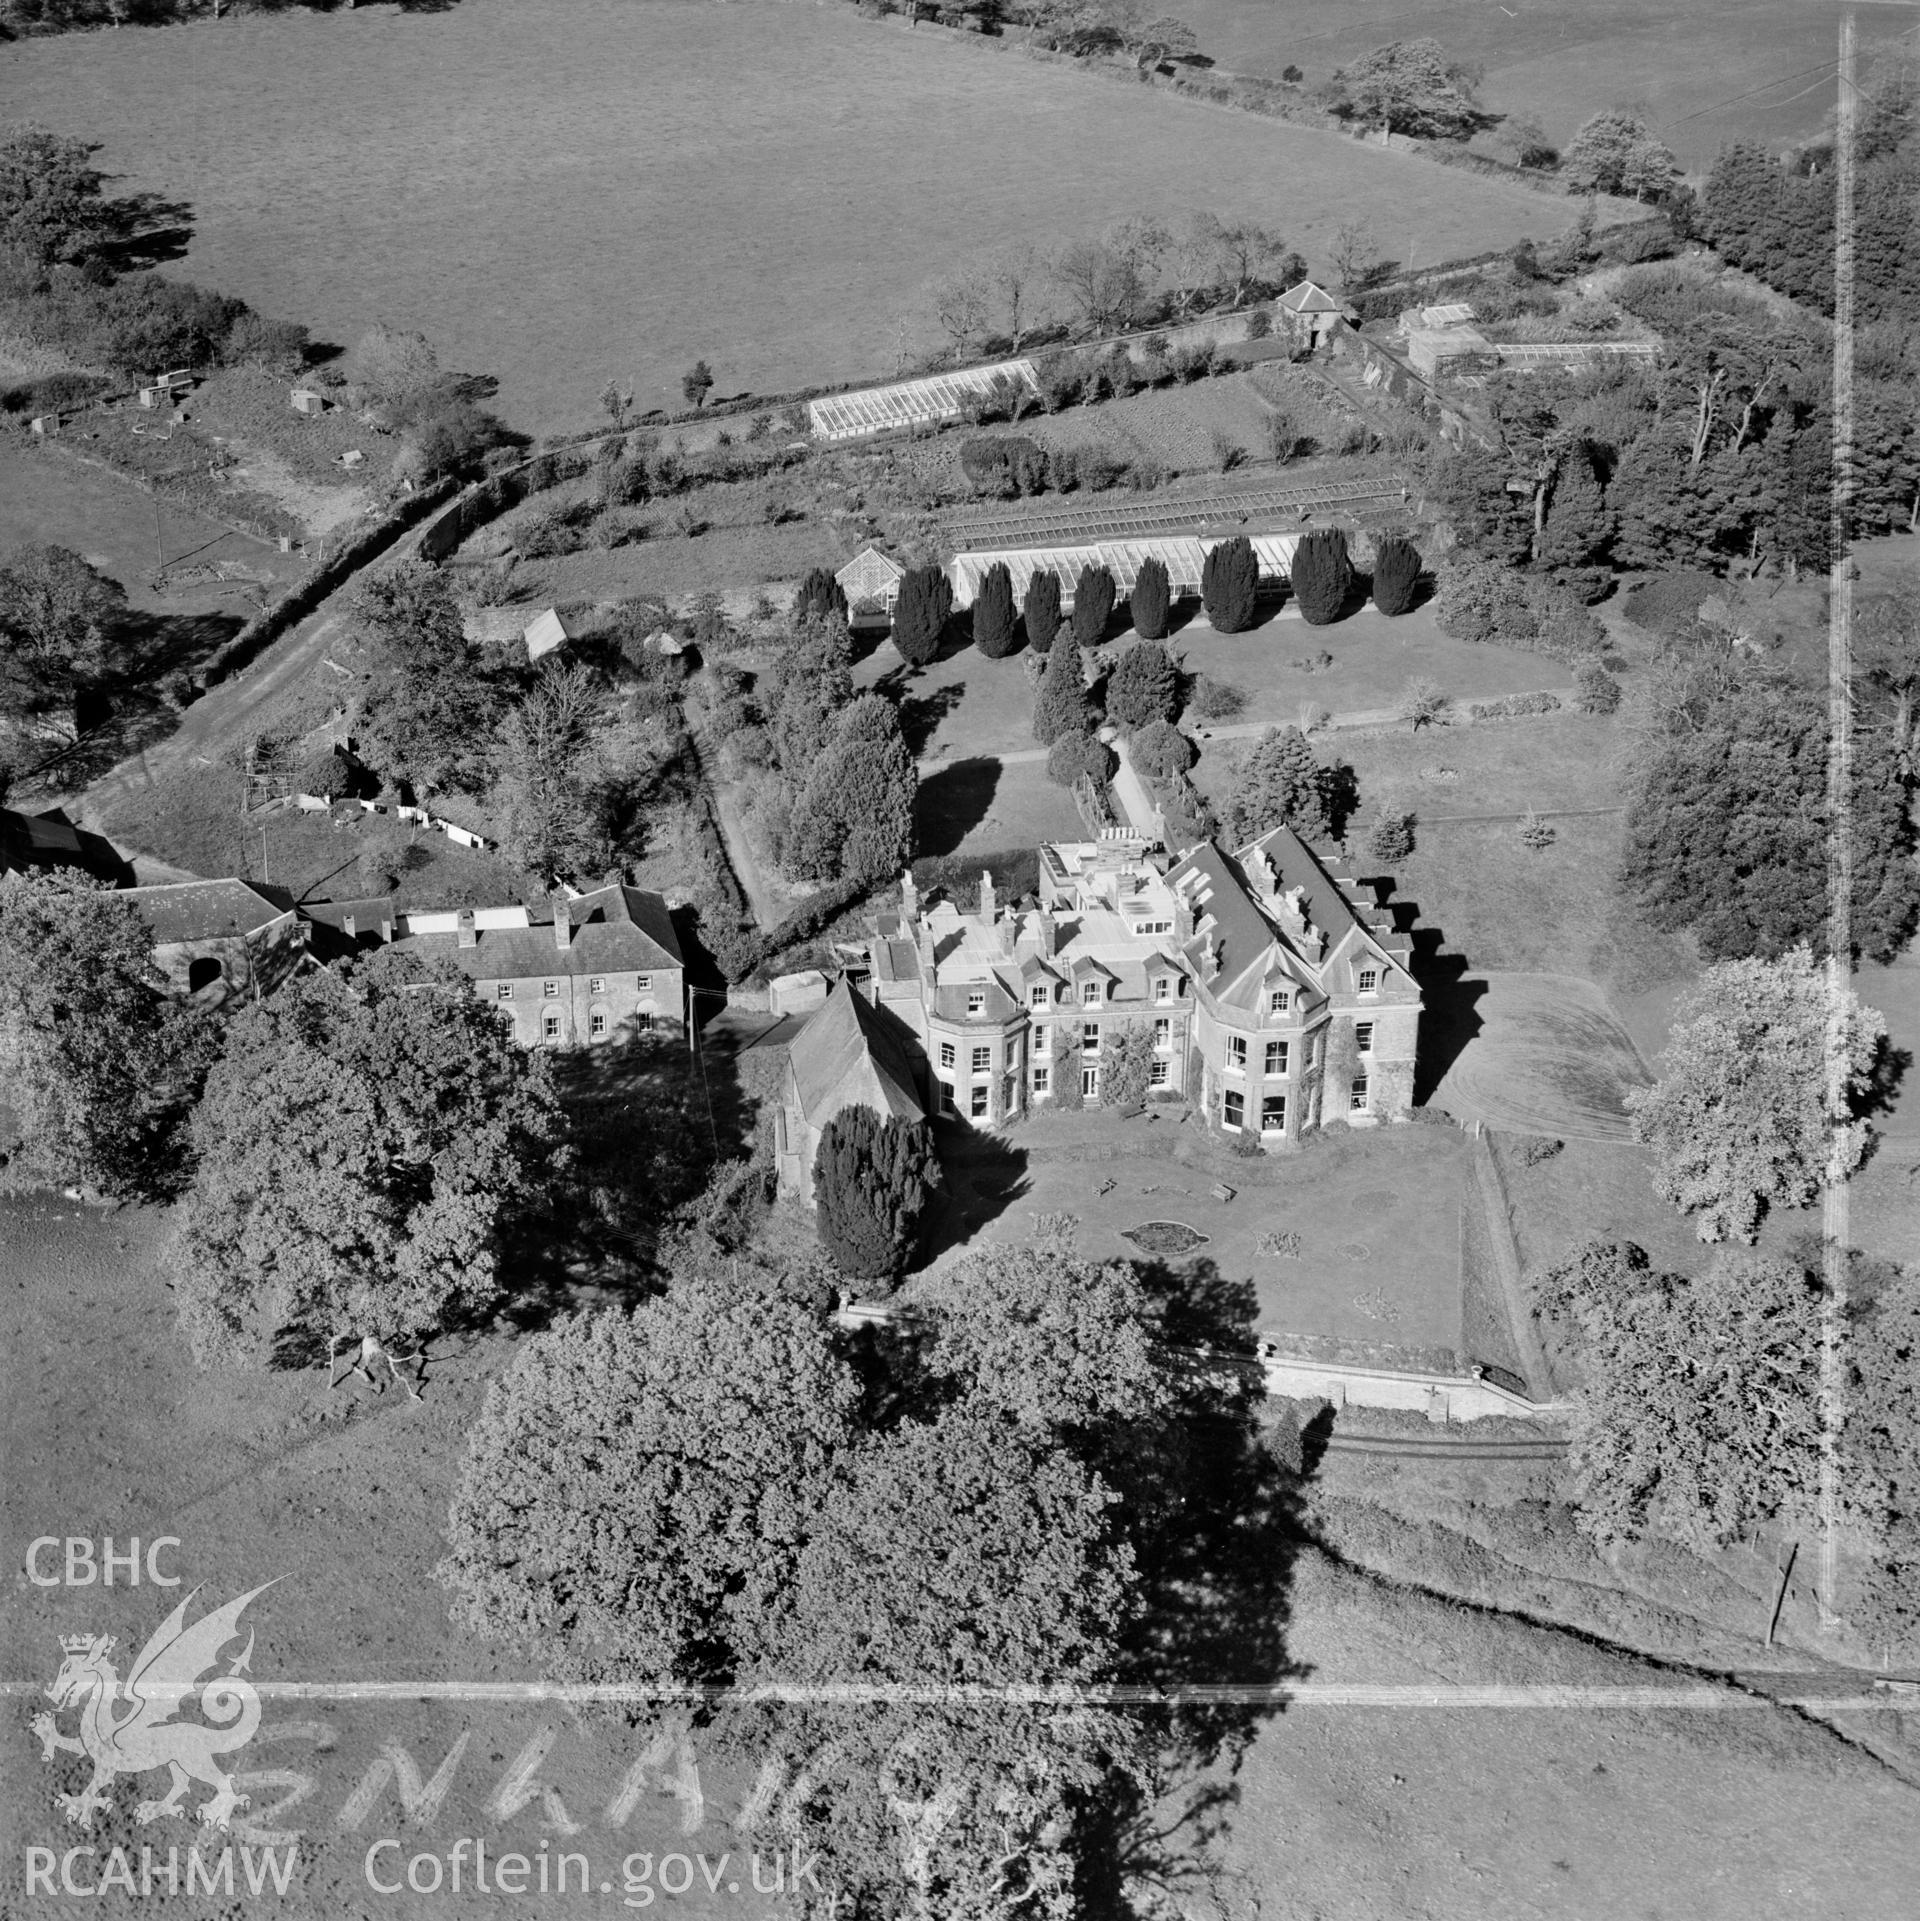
(1780, 1599)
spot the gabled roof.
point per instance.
(870, 573)
(1307, 297)
(38, 841)
(846, 1056)
(196, 910)
(544, 633)
(615, 930)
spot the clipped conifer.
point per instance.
(1396, 574)
(1151, 600)
(819, 595)
(1061, 705)
(994, 632)
(1092, 605)
(1229, 583)
(1041, 610)
(872, 1180)
(921, 614)
(1322, 575)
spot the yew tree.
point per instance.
(819, 597)
(921, 613)
(1322, 575)
(1092, 605)
(872, 1181)
(1061, 703)
(1151, 600)
(1396, 574)
(1230, 584)
(994, 631)
(1143, 687)
(1040, 610)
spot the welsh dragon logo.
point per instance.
(132, 1726)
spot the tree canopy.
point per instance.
(1728, 828)
(1616, 152)
(1739, 1120)
(1061, 704)
(995, 632)
(1040, 609)
(1229, 584)
(51, 206)
(365, 1147)
(57, 613)
(1150, 599)
(854, 817)
(1411, 87)
(638, 1486)
(99, 1067)
(921, 613)
(1143, 687)
(1282, 779)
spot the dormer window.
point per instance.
(1036, 997)
(1163, 989)
(976, 1000)
(1090, 993)
(1280, 1001)
(1369, 980)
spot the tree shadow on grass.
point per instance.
(985, 1175)
(952, 803)
(1216, 1561)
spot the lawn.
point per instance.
(585, 191)
(1376, 1214)
(974, 807)
(1276, 665)
(1176, 427)
(1705, 73)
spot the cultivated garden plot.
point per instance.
(1175, 428)
(760, 186)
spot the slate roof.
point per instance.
(35, 842)
(197, 910)
(846, 1056)
(615, 930)
(1306, 297)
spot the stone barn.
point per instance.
(214, 939)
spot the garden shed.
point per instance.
(871, 583)
(1309, 313)
(546, 632)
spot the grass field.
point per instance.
(593, 190)
(1705, 72)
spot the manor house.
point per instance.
(1278, 999)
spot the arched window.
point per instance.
(203, 973)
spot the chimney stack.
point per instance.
(909, 898)
(1043, 928)
(562, 923)
(986, 896)
(346, 925)
(468, 936)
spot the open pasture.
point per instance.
(592, 190)
(1706, 72)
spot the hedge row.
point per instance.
(1514, 705)
(304, 596)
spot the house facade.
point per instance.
(1273, 998)
(577, 970)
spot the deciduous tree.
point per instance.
(57, 614)
(853, 819)
(638, 1486)
(365, 1148)
(1616, 152)
(544, 773)
(1743, 1117)
(51, 206)
(99, 1067)
(873, 1179)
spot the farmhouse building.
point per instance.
(1276, 1000)
(595, 967)
(219, 938)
